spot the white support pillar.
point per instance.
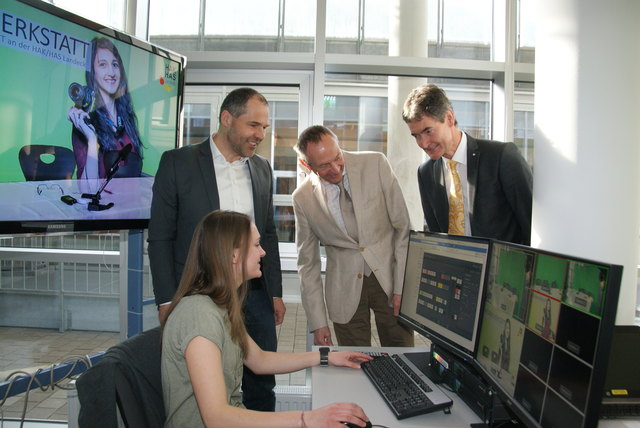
(587, 145)
(407, 37)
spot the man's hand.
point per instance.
(279, 310)
(396, 299)
(163, 311)
(322, 337)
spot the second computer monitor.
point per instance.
(444, 287)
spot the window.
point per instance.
(462, 29)
(526, 32)
(167, 19)
(243, 25)
(111, 12)
(201, 110)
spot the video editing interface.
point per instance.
(539, 331)
(443, 287)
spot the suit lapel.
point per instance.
(318, 194)
(473, 158)
(354, 173)
(207, 170)
(441, 200)
(255, 181)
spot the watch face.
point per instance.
(324, 356)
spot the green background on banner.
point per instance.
(34, 98)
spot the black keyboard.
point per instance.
(405, 391)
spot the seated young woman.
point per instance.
(204, 341)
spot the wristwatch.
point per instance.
(324, 356)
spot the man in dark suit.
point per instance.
(494, 180)
(222, 172)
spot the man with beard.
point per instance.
(223, 172)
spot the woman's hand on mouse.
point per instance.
(348, 359)
(334, 415)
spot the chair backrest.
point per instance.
(138, 380)
(42, 162)
(128, 374)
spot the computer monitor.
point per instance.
(444, 288)
(545, 333)
(59, 69)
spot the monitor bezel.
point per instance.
(45, 226)
(601, 353)
(459, 351)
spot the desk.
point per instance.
(40, 200)
(339, 384)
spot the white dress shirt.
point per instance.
(234, 183)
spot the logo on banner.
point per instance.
(169, 80)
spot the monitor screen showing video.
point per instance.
(86, 113)
(544, 334)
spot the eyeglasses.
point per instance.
(48, 188)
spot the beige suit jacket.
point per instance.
(383, 231)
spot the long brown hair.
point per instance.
(209, 267)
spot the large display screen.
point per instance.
(444, 289)
(545, 333)
(85, 112)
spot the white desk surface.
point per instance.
(340, 384)
(20, 201)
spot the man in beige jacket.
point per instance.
(351, 204)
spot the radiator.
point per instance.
(292, 397)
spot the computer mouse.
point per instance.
(350, 425)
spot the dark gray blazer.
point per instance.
(184, 191)
(500, 192)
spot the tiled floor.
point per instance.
(28, 349)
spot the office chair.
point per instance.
(35, 165)
(128, 378)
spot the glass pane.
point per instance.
(342, 19)
(197, 123)
(359, 122)
(299, 25)
(300, 18)
(110, 12)
(342, 26)
(526, 32)
(467, 21)
(241, 17)
(523, 128)
(376, 27)
(466, 26)
(285, 129)
(167, 19)
(285, 223)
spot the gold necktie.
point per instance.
(456, 202)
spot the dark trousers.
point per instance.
(357, 332)
(257, 390)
